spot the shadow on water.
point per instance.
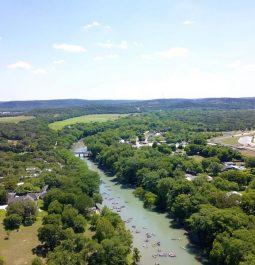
(200, 254)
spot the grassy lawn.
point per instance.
(248, 153)
(230, 140)
(17, 250)
(197, 158)
(85, 119)
(15, 119)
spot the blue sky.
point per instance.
(126, 49)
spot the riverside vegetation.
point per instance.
(220, 221)
(219, 211)
(70, 232)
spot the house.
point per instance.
(30, 196)
(190, 177)
(33, 196)
(230, 193)
(232, 166)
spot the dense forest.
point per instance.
(216, 207)
(163, 155)
(42, 173)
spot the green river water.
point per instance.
(143, 222)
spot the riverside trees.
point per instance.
(204, 207)
(29, 161)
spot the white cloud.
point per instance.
(69, 47)
(39, 71)
(92, 25)
(107, 27)
(138, 44)
(58, 62)
(106, 57)
(96, 24)
(107, 44)
(123, 44)
(188, 22)
(234, 65)
(146, 57)
(20, 65)
(241, 67)
(171, 53)
(213, 62)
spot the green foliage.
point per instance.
(248, 202)
(139, 192)
(3, 196)
(250, 162)
(26, 210)
(37, 261)
(150, 200)
(2, 262)
(136, 256)
(12, 221)
(104, 229)
(51, 235)
(210, 222)
(234, 249)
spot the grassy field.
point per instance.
(248, 153)
(17, 250)
(197, 158)
(15, 119)
(231, 140)
(85, 119)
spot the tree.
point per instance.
(164, 186)
(136, 256)
(54, 219)
(12, 221)
(250, 162)
(50, 234)
(182, 207)
(234, 249)
(210, 221)
(111, 252)
(139, 192)
(55, 207)
(26, 209)
(248, 202)
(68, 216)
(3, 196)
(104, 229)
(37, 261)
(150, 200)
(79, 224)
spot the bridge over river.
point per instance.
(83, 152)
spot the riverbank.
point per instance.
(152, 233)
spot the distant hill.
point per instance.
(56, 103)
(204, 103)
(145, 105)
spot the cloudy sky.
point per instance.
(126, 49)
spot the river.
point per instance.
(144, 224)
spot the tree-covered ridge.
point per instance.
(217, 206)
(144, 105)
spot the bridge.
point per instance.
(83, 152)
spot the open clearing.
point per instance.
(17, 250)
(15, 119)
(85, 119)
